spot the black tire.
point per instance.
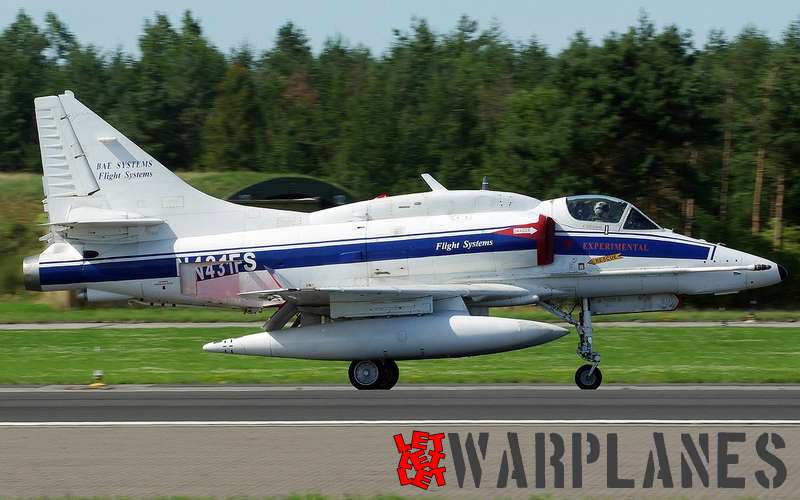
(366, 374)
(586, 381)
(391, 373)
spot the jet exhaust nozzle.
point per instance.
(30, 273)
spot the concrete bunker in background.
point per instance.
(304, 194)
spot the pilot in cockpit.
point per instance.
(601, 211)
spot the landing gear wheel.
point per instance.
(587, 376)
(366, 374)
(588, 379)
(373, 374)
(391, 374)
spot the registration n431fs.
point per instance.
(393, 278)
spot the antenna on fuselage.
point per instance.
(433, 183)
(485, 183)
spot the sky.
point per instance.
(228, 24)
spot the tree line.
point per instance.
(703, 139)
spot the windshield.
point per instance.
(596, 208)
(637, 220)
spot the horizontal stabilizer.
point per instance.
(144, 221)
(91, 216)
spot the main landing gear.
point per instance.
(587, 376)
(373, 374)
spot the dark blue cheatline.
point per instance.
(355, 252)
(630, 247)
(350, 253)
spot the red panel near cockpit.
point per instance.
(543, 232)
(545, 240)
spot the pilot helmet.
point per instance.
(601, 208)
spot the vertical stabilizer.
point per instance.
(92, 171)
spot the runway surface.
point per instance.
(256, 441)
(406, 403)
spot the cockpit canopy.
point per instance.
(600, 210)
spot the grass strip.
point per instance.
(630, 355)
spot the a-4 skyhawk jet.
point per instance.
(393, 278)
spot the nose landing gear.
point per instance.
(587, 376)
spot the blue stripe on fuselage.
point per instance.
(350, 253)
(629, 247)
(91, 272)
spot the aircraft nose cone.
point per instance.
(783, 272)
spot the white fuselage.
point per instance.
(438, 237)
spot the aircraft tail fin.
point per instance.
(91, 170)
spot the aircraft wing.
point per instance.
(325, 296)
(676, 270)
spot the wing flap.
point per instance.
(343, 307)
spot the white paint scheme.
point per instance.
(80, 153)
(121, 224)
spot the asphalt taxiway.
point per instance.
(404, 402)
(145, 441)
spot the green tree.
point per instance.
(174, 90)
(22, 77)
(531, 145)
(748, 62)
(289, 102)
(59, 38)
(195, 73)
(232, 128)
(340, 76)
(782, 88)
(474, 81)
